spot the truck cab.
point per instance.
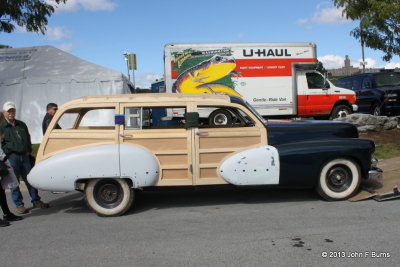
(318, 97)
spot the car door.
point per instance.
(215, 143)
(149, 127)
(365, 95)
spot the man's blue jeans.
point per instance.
(22, 167)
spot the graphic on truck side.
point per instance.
(204, 72)
(277, 79)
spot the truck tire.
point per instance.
(108, 196)
(340, 111)
(220, 117)
(339, 179)
(376, 109)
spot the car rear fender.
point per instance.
(62, 171)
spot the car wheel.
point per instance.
(376, 110)
(109, 197)
(220, 117)
(339, 179)
(340, 111)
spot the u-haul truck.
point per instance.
(278, 79)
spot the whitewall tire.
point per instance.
(339, 179)
(109, 196)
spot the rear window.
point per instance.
(386, 79)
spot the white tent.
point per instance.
(32, 77)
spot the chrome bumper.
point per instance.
(375, 173)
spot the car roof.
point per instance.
(368, 74)
(149, 97)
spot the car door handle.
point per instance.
(126, 135)
(202, 133)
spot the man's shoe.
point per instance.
(12, 217)
(41, 205)
(4, 223)
(21, 210)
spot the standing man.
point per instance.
(17, 146)
(51, 110)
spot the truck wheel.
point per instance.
(376, 109)
(339, 179)
(109, 197)
(340, 111)
(220, 117)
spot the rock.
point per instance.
(367, 122)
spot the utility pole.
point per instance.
(362, 46)
(131, 65)
(363, 57)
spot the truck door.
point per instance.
(315, 96)
(214, 143)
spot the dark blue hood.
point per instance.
(284, 132)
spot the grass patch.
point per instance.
(387, 151)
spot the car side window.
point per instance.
(355, 84)
(367, 83)
(98, 118)
(88, 119)
(67, 120)
(137, 118)
(223, 117)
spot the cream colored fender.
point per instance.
(257, 166)
(60, 172)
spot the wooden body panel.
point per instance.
(172, 150)
(213, 145)
(63, 140)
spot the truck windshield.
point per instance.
(387, 79)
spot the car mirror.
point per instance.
(191, 120)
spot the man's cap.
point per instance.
(8, 105)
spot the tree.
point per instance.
(379, 26)
(31, 14)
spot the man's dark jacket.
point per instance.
(16, 138)
(46, 121)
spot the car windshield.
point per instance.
(387, 79)
(255, 112)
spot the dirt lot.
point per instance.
(383, 137)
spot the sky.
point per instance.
(100, 31)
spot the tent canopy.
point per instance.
(32, 77)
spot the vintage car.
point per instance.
(111, 145)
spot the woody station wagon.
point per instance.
(111, 145)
